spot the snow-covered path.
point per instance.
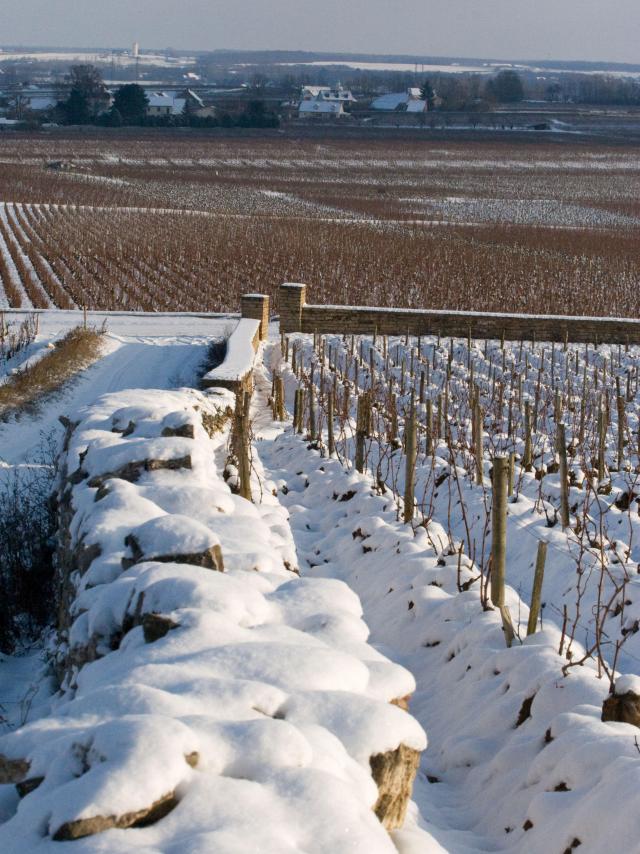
(519, 759)
(441, 812)
(134, 359)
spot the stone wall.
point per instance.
(297, 316)
(236, 371)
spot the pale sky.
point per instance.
(607, 30)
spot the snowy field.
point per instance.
(157, 351)
(517, 759)
(162, 224)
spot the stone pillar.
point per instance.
(256, 306)
(292, 298)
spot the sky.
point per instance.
(607, 30)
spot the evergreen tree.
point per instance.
(131, 102)
(427, 93)
(76, 108)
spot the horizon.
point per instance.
(578, 30)
(370, 56)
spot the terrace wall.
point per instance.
(298, 316)
(236, 371)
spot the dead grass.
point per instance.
(28, 389)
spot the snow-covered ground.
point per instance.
(140, 351)
(518, 759)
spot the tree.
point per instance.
(131, 102)
(87, 80)
(427, 93)
(76, 108)
(506, 88)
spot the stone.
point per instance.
(210, 558)
(98, 824)
(13, 770)
(132, 471)
(155, 627)
(394, 773)
(622, 709)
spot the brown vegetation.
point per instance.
(26, 389)
(161, 224)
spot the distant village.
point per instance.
(34, 104)
(133, 88)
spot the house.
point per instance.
(165, 104)
(324, 101)
(41, 104)
(326, 93)
(409, 101)
(322, 109)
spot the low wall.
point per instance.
(236, 371)
(298, 316)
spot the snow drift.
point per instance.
(210, 698)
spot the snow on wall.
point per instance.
(239, 361)
(221, 703)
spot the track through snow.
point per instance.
(518, 758)
(128, 361)
(441, 815)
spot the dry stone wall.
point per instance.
(209, 696)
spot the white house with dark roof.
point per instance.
(165, 104)
(323, 109)
(327, 93)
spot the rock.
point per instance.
(132, 471)
(98, 824)
(394, 773)
(27, 786)
(192, 759)
(623, 709)
(13, 770)
(185, 431)
(216, 423)
(210, 558)
(402, 702)
(155, 627)
(125, 431)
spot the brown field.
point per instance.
(163, 223)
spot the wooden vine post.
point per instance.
(564, 476)
(602, 440)
(499, 529)
(411, 443)
(330, 417)
(361, 432)
(500, 482)
(527, 460)
(478, 449)
(536, 592)
(243, 445)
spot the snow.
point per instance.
(268, 678)
(240, 356)
(139, 350)
(627, 683)
(561, 768)
(283, 685)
